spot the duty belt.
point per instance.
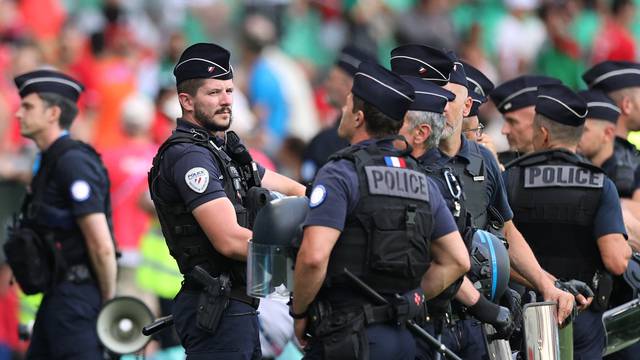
(372, 314)
(238, 293)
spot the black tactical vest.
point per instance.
(627, 160)
(59, 224)
(386, 239)
(186, 240)
(474, 184)
(555, 196)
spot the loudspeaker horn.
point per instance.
(120, 324)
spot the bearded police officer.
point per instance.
(201, 185)
(68, 213)
(374, 214)
(422, 128)
(567, 209)
(515, 99)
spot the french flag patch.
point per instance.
(394, 161)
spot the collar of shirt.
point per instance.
(183, 124)
(383, 143)
(39, 156)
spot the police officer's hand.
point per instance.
(503, 324)
(512, 301)
(300, 328)
(564, 300)
(494, 314)
(581, 291)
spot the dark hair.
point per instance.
(68, 108)
(377, 123)
(565, 134)
(190, 86)
(618, 5)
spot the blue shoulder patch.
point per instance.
(318, 195)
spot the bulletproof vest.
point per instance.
(474, 184)
(627, 161)
(555, 196)
(453, 196)
(59, 224)
(386, 239)
(186, 240)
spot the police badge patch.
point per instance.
(80, 190)
(197, 179)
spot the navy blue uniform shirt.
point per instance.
(190, 174)
(609, 166)
(341, 193)
(317, 153)
(78, 183)
(496, 191)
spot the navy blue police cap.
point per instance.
(560, 104)
(613, 75)
(49, 81)
(422, 61)
(458, 75)
(387, 91)
(600, 106)
(350, 58)
(479, 87)
(203, 61)
(428, 96)
(519, 92)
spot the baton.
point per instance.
(413, 327)
(157, 325)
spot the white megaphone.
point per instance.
(120, 324)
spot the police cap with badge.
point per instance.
(203, 61)
(600, 106)
(479, 87)
(49, 81)
(422, 61)
(610, 76)
(519, 93)
(350, 58)
(429, 97)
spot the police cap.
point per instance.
(560, 104)
(600, 106)
(479, 87)
(350, 58)
(428, 96)
(203, 61)
(422, 61)
(519, 92)
(613, 75)
(383, 89)
(458, 75)
(49, 81)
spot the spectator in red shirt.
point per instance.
(615, 41)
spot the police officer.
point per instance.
(475, 166)
(370, 203)
(69, 210)
(422, 128)
(201, 185)
(515, 99)
(338, 85)
(567, 209)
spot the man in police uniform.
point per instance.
(371, 197)
(69, 207)
(475, 166)
(338, 85)
(422, 128)
(515, 99)
(199, 184)
(567, 209)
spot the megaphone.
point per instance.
(120, 324)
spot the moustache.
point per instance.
(224, 110)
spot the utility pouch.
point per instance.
(603, 286)
(343, 336)
(213, 301)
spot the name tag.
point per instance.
(562, 176)
(397, 182)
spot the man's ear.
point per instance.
(610, 132)
(625, 105)
(545, 135)
(468, 103)
(358, 119)
(53, 113)
(422, 133)
(186, 101)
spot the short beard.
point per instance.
(208, 123)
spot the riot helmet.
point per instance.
(489, 265)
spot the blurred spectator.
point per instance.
(615, 41)
(429, 23)
(519, 38)
(290, 157)
(167, 110)
(560, 57)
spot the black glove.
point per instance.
(575, 287)
(511, 300)
(494, 314)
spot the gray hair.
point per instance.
(559, 133)
(434, 120)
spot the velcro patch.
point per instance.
(561, 176)
(80, 190)
(397, 182)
